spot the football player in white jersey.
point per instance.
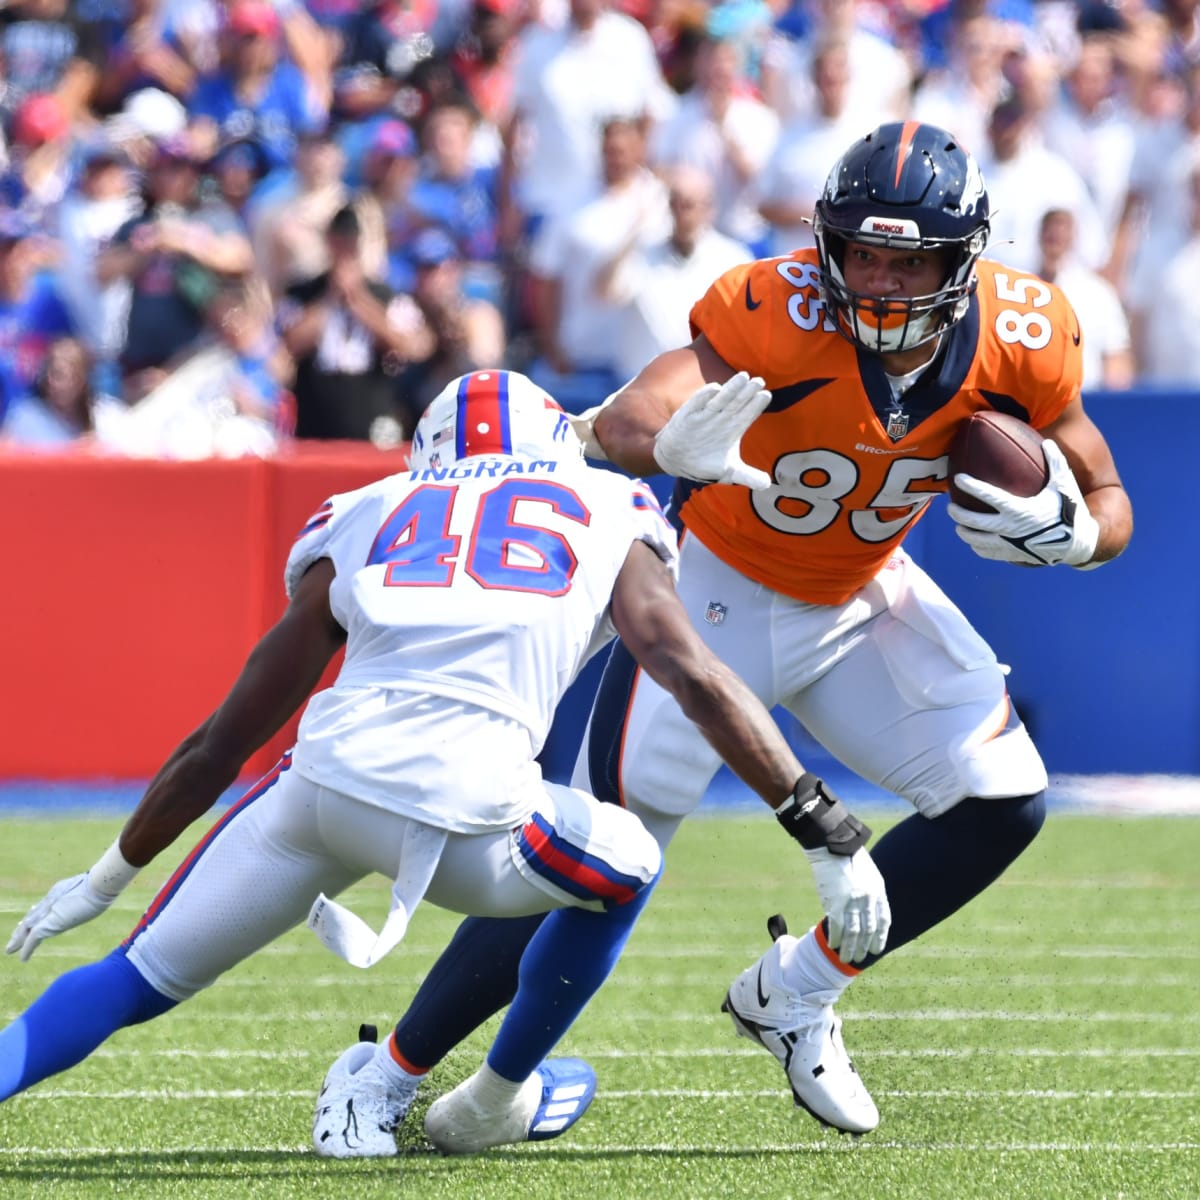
(468, 592)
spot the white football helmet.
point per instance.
(492, 412)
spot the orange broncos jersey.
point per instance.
(854, 469)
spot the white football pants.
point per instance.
(895, 683)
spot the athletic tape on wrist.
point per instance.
(818, 820)
(113, 872)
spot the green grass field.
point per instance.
(1042, 1044)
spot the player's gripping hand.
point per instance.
(702, 440)
(73, 901)
(68, 903)
(1052, 527)
(854, 898)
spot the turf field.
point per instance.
(1043, 1044)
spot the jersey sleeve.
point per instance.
(753, 314)
(653, 528)
(720, 315)
(1031, 339)
(1054, 379)
(311, 544)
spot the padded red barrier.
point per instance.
(134, 591)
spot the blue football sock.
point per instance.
(72, 1017)
(474, 977)
(568, 959)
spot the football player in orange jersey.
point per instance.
(794, 499)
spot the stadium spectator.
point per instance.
(349, 336)
(386, 212)
(452, 192)
(1156, 216)
(880, 75)
(261, 368)
(104, 199)
(147, 117)
(256, 90)
(793, 177)
(466, 331)
(378, 782)
(44, 49)
(577, 332)
(654, 286)
(174, 254)
(61, 407)
(961, 95)
(1092, 127)
(563, 91)
(1025, 180)
(144, 53)
(32, 312)
(1171, 355)
(1107, 349)
(723, 129)
(288, 223)
(805, 585)
(482, 62)
(237, 168)
(40, 167)
(381, 43)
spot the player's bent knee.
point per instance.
(1006, 824)
(639, 846)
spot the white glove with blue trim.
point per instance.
(1052, 527)
(702, 440)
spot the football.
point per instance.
(1000, 450)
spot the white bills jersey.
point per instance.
(471, 597)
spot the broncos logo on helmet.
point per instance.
(905, 186)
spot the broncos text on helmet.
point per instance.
(904, 186)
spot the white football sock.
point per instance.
(493, 1092)
(398, 1079)
(805, 969)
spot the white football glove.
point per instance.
(854, 898)
(702, 440)
(68, 903)
(73, 901)
(1052, 527)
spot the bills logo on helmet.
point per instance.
(493, 412)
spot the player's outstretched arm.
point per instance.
(683, 414)
(655, 629)
(279, 674)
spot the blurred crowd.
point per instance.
(224, 223)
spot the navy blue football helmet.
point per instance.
(905, 186)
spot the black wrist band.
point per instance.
(818, 820)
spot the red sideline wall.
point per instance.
(133, 592)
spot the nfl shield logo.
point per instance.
(715, 613)
(897, 426)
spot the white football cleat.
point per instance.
(550, 1101)
(805, 1034)
(357, 1112)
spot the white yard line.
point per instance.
(39, 1095)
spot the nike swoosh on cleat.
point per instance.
(751, 303)
(762, 997)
